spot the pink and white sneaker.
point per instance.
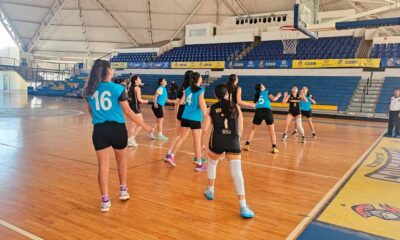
(171, 160)
(201, 168)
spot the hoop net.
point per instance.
(289, 39)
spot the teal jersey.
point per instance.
(162, 98)
(104, 103)
(192, 106)
(263, 101)
(306, 106)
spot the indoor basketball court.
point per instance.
(332, 172)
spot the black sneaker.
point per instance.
(295, 133)
(303, 139)
(314, 135)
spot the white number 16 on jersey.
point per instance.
(104, 102)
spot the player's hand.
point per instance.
(285, 94)
(155, 105)
(279, 94)
(311, 96)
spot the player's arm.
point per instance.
(132, 116)
(203, 105)
(275, 98)
(312, 100)
(285, 97)
(303, 98)
(158, 93)
(239, 99)
(139, 95)
(206, 129)
(240, 118)
(89, 110)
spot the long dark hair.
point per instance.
(160, 81)
(98, 73)
(133, 83)
(186, 80)
(195, 76)
(258, 92)
(231, 84)
(228, 108)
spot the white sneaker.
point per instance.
(124, 195)
(151, 135)
(105, 206)
(163, 138)
(132, 142)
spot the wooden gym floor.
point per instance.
(48, 178)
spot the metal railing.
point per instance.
(34, 71)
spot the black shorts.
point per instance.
(110, 134)
(191, 124)
(181, 108)
(135, 107)
(263, 114)
(220, 144)
(307, 114)
(158, 112)
(294, 113)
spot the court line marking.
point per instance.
(19, 230)
(257, 164)
(310, 216)
(291, 170)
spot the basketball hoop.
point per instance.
(289, 37)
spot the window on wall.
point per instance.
(201, 32)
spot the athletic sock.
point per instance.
(211, 188)
(169, 151)
(105, 198)
(212, 169)
(247, 143)
(237, 176)
(123, 187)
(242, 203)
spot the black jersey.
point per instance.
(294, 103)
(180, 93)
(133, 100)
(225, 134)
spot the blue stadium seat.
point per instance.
(389, 85)
(334, 47)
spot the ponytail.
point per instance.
(258, 92)
(194, 80)
(228, 108)
(98, 73)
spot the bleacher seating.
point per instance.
(391, 50)
(323, 48)
(390, 84)
(203, 52)
(134, 57)
(335, 91)
(70, 88)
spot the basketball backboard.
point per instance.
(305, 15)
